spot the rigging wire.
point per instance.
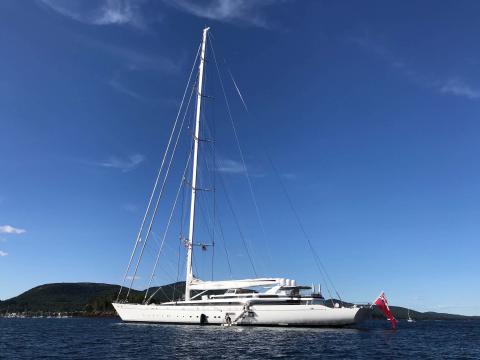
(208, 134)
(222, 182)
(201, 202)
(214, 188)
(211, 174)
(168, 266)
(215, 217)
(138, 239)
(224, 242)
(237, 141)
(318, 262)
(206, 208)
(182, 219)
(180, 240)
(164, 270)
(160, 288)
(225, 246)
(205, 174)
(160, 193)
(167, 227)
(151, 252)
(238, 91)
(210, 231)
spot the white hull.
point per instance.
(260, 315)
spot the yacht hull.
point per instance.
(259, 315)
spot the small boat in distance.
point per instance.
(409, 318)
(265, 301)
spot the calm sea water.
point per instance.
(112, 339)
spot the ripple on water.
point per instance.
(108, 338)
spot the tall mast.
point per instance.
(189, 276)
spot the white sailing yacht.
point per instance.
(234, 302)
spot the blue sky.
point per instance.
(368, 109)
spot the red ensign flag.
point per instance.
(382, 303)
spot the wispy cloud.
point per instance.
(382, 51)
(230, 166)
(7, 229)
(452, 86)
(100, 12)
(234, 167)
(3, 253)
(458, 87)
(123, 89)
(133, 58)
(132, 62)
(130, 207)
(248, 12)
(125, 164)
(132, 12)
(136, 277)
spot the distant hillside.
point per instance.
(88, 298)
(94, 299)
(401, 313)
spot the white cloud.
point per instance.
(7, 229)
(131, 277)
(458, 87)
(382, 51)
(116, 12)
(104, 12)
(134, 58)
(123, 89)
(132, 62)
(230, 166)
(233, 167)
(3, 253)
(131, 12)
(232, 11)
(454, 86)
(124, 164)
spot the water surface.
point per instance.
(78, 338)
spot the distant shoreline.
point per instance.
(94, 300)
(57, 315)
(115, 316)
